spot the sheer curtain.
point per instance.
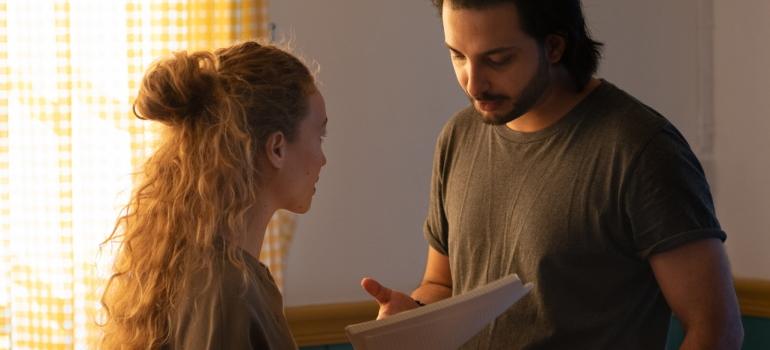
(69, 145)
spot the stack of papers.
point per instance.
(446, 324)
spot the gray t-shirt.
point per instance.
(576, 208)
(226, 316)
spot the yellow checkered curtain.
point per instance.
(275, 247)
(69, 147)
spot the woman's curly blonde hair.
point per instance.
(190, 207)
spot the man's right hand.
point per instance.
(391, 301)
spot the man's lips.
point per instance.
(489, 105)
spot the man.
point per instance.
(572, 184)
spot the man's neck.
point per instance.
(557, 101)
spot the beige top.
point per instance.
(225, 316)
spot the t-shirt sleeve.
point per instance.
(242, 326)
(224, 321)
(229, 314)
(436, 228)
(667, 198)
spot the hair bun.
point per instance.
(178, 89)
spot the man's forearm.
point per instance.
(430, 292)
(722, 338)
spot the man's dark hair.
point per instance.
(541, 18)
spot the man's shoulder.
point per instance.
(461, 124)
(465, 117)
(616, 112)
(465, 120)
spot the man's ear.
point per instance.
(275, 149)
(555, 45)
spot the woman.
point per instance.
(243, 136)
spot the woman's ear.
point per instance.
(275, 149)
(554, 47)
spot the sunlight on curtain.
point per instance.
(69, 145)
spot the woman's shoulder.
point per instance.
(237, 303)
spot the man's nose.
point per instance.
(477, 83)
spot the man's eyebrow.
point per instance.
(488, 52)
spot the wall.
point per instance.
(742, 133)
(389, 88)
(660, 52)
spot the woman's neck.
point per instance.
(256, 224)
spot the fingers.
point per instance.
(375, 289)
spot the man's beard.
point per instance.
(527, 99)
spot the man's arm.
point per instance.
(437, 281)
(436, 285)
(696, 281)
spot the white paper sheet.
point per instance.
(446, 324)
